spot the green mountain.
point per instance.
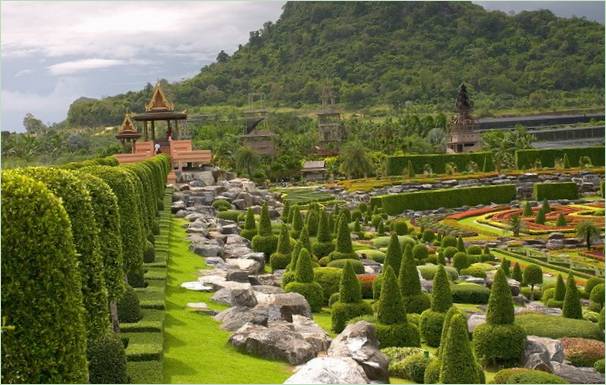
(391, 53)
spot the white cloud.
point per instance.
(23, 72)
(75, 66)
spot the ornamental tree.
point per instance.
(414, 299)
(572, 300)
(344, 248)
(432, 319)
(533, 275)
(285, 211)
(546, 208)
(517, 273)
(527, 210)
(265, 241)
(304, 282)
(324, 244)
(304, 238)
(391, 308)
(561, 220)
(505, 265)
(459, 365)
(560, 289)
(281, 258)
(460, 244)
(393, 256)
(350, 304)
(500, 303)
(250, 226)
(311, 220)
(540, 218)
(297, 223)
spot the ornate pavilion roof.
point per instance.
(158, 101)
(128, 129)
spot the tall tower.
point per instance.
(257, 135)
(462, 136)
(329, 123)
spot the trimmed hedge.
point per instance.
(499, 344)
(37, 237)
(560, 190)
(340, 263)
(526, 158)
(557, 326)
(107, 360)
(328, 278)
(395, 204)
(470, 293)
(535, 377)
(129, 310)
(78, 205)
(396, 164)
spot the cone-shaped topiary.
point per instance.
(344, 248)
(533, 275)
(345, 212)
(291, 213)
(505, 265)
(285, 211)
(572, 300)
(540, 218)
(357, 228)
(381, 228)
(458, 362)
(350, 304)
(281, 258)
(560, 289)
(323, 245)
(517, 273)
(414, 299)
(311, 221)
(304, 238)
(265, 241)
(499, 340)
(297, 223)
(289, 274)
(546, 208)
(432, 319)
(460, 244)
(304, 282)
(527, 210)
(561, 220)
(393, 257)
(447, 318)
(41, 293)
(250, 226)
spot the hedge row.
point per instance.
(74, 232)
(426, 200)
(527, 158)
(396, 164)
(106, 161)
(561, 190)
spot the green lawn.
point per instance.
(195, 348)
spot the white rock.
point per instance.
(329, 370)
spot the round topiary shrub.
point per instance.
(474, 271)
(597, 297)
(428, 271)
(55, 323)
(420, 252)
(535, 377)
(150, 253)
(460, 261)
(590, 284)
(449, 241)
(449, 252)
(328, 278)
(474, 250)
(340, 263)
(399, 226)
(129, 310)
(470, 293)
(414, 366)
(107, 360)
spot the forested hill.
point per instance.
(380, 53)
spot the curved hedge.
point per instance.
(78, 205)
(39, 239)
(133, 238)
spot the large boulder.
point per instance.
(359, 341)
(540, 352)
(249, 265)
(287, 304)
(235, 297)
(576, 375)
(311, 332)
(329, 370)
(235, 317)
(277, 341)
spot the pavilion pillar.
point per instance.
(153, 130)
(176, 129)
(146, 136)
(169, 131)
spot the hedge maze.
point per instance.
(81, 232)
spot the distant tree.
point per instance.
(533, 275)
(33, 125)
(354, 160)
(222, 57)
(588, 232)
(246, 159)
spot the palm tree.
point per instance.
(587, 231)
(354, 160)
(516, 225)
(246, 159)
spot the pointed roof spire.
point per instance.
(127, 124)
(158, 101)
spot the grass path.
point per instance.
(195, 348)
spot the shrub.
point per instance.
(517, 273)
(533, 275)
(500, 305)
(597, 297)
(430, 326)
(470, 293)
(420, 252)
(323, 245)
(499, 344)
(107, 360)
(265, 241)
(590, 284)
(281, 258)
(428, 236)
(150, 253)
(328, 278)
(437, 162)
(474, 250)
(548, 295)
(540, 217)
(557, 327)
(572, 300)
(250, 227)
(555, 190)
(297, 222)
(527, 210)
(395, 204)
(340, 263)
(561, 220)
(415, 301)
(342, 312)
(414, 366)
(399, 334)
(537, 294)
(502, 376)
(312, 291)
(441, 297)
(535, 377)
(128, 306)
(449, 252)
(375, 255)
(445, 327)
(459, 261)
(474, 271)
(458, 364)
(221, 205)
(428, 271)
(449, 241)
(78, 204)
(366, 283)
(230, 215)
(599, 366)
(526, 158)
(311, 221)
(601, 319)
(390, 307)
(52, 257)
(393, 257)
(344, 248)
(582, 352)
(399, 226)
(505, 265)
(460, 244)
(285, 211)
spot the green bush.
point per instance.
(399, 226)
(460, 261)
(328, 278)
(590, 284)
(323, 245)
(502, 376)
(535, 377)
(597, 297)
(312, 291)
(420, 252)
(432, 372)
(341, 313)
(553, 190)
(441, 297)
(449, 241)
(499, 344)
(414, 366)
(393, 257)
(500, 305)
(230, 215)
(250, 227)
(53, 323)
(221, 205)
(470, 293)
(572, 300)
(279, 261)
(430, 326)
(474, 250)
(445, 327)
(78, 204)
(533, 275)
(557, 327)
(340, 263)
(599, 366)
(395, 204)
(398, 334)
(344, 248)
(582, 352)
(129, 310)
(150, 253)
(449, 252)
(383, 241)
(297, 222)
(322, 249)
(311, 221)
(390, 307)
(107, 360)
(601, 319)
(526, 158)
(458, 362)
(281, 258)
(428, 271)
(396, 164)
(375, 255)
(474, 271)
(415, 301)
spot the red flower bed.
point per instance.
(582, 351)
(552, 216)
(595, 254)
(474, 212)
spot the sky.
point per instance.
(54, 52)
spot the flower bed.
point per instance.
(475, 212)
(582, 351)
